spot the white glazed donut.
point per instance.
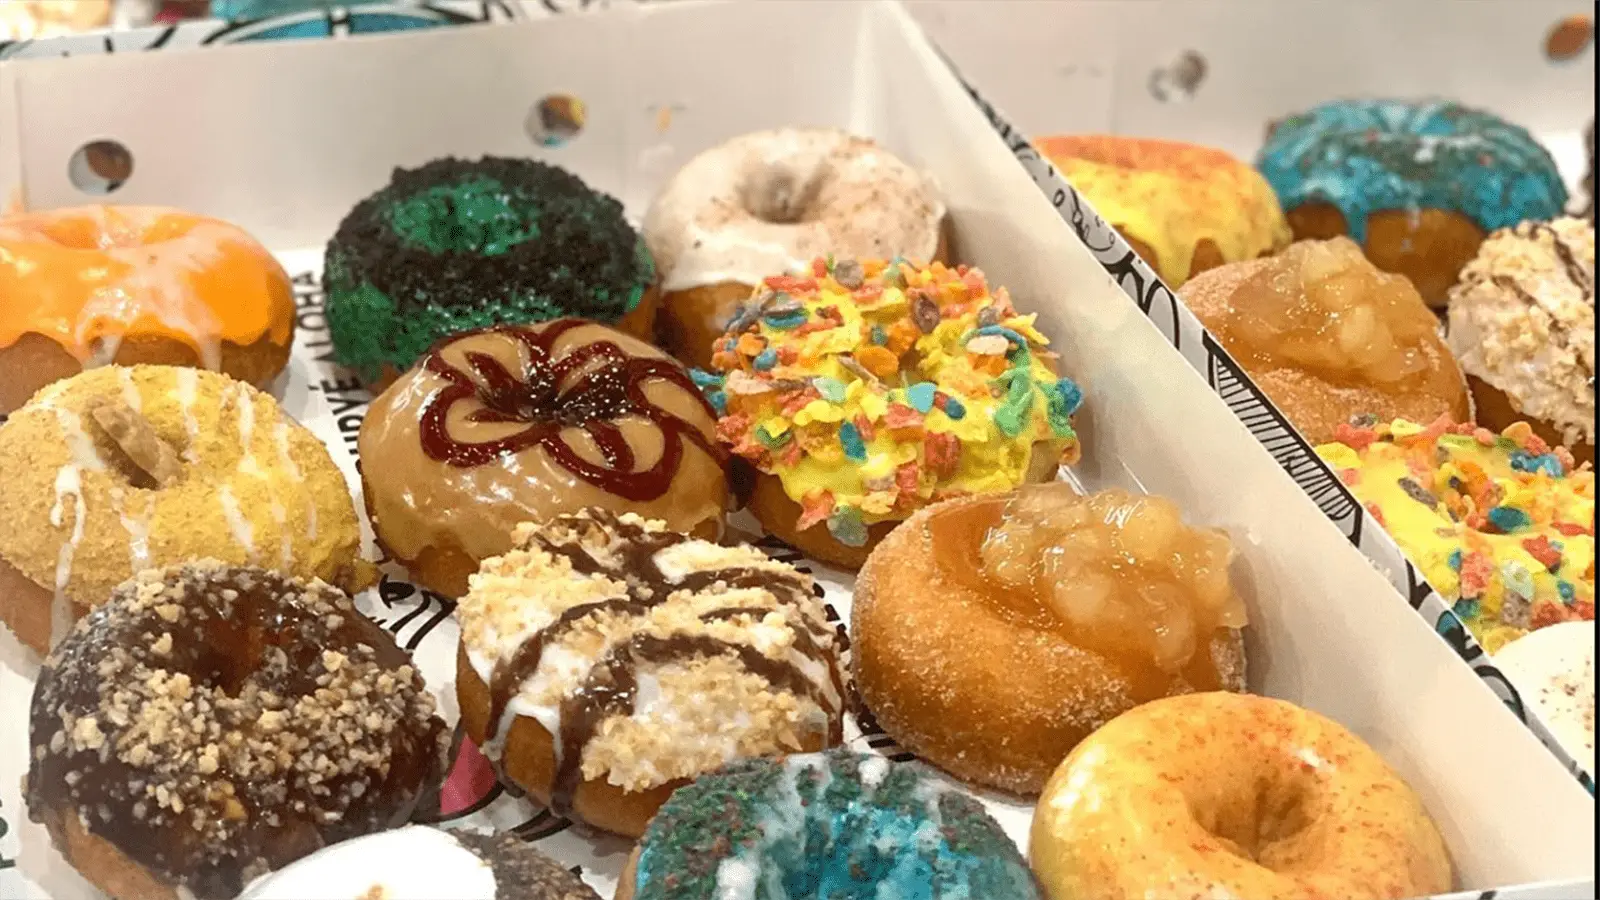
(768, 203)
(1553, 669)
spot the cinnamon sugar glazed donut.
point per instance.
(208, 724)
(606, 661)
(768, 203)
(120, 469)
(521, 423)
(136, 284)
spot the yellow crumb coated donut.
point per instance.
(117, 470)
(1231, 795)
(1183, 207)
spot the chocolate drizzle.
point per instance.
(612, 683)
(606, 383)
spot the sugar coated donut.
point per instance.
(840, 825)
(1330, 337)
(1182, 207)
(523, 422)
(120, 469)
(992, 634)
(1229, 795)
(1522, 324)
(606, 661)
(862, 391)
(418, 863)
(457, 245)
(1501, 525)
(93, 285)
(208, 724)
(772, 201)
(1418, 185)
(1553, 671)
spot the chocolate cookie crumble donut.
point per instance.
(209, 724)
(459, 244)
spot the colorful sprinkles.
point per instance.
(1501, 524)
(872, 388)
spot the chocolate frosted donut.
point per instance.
(456, 245)
(209, 724)
(606, 661)
(524, 422)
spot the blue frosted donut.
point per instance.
(1363, 156)
(836, 825)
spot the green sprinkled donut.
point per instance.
(456, 245)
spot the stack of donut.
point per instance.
(213, 708)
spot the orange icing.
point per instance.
(88, 277)
(1171, 196)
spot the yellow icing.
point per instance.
(1172, 196)
(1457, 544)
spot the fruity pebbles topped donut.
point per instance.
(1502, 525)
(863, 391)
(457, 245)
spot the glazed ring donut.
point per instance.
(770, 202)
(1183, 208)
(564, 638)
(136, 284)
(824, 825)
(1228, 795)
(992, 634)
(207, 724)
(120, 469)
(521, 423)
(863, 391)
(1417, 185)
(463, 244)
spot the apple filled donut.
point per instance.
(117, 470)
(521, 423)
(992, 634)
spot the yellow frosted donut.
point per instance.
(1232, 795)
(117, 470)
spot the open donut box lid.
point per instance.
(283, 138)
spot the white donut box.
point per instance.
(283, 138)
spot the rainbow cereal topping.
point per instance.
(873, 388)
(1502, 525)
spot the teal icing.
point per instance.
(833, 826)
(1365, 156)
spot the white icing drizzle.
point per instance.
(130, 391)
(280, 437)
(285, 542)
(188, 387)
(771, 201)
(138, 528)
(243, 533)
(157, 283)
(247, 431)
(69, 483)
(737, 879)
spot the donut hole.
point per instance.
(779, 196)
(100, 167)
(1261, 825)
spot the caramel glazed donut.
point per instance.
(606, 662)
(117, 470)
(768, 203)
(519, 423)
(208, 724)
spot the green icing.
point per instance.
(479, 216)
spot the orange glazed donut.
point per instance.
(1229, 795)
(992, 634)
(136, 284)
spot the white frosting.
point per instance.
(771, 201)
(69, 483)
(1553, 669)
(737, 879)
(130, 391)
(247, 430)
(137, 525)
(411, 863)
(243, 531)
(188, 386)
